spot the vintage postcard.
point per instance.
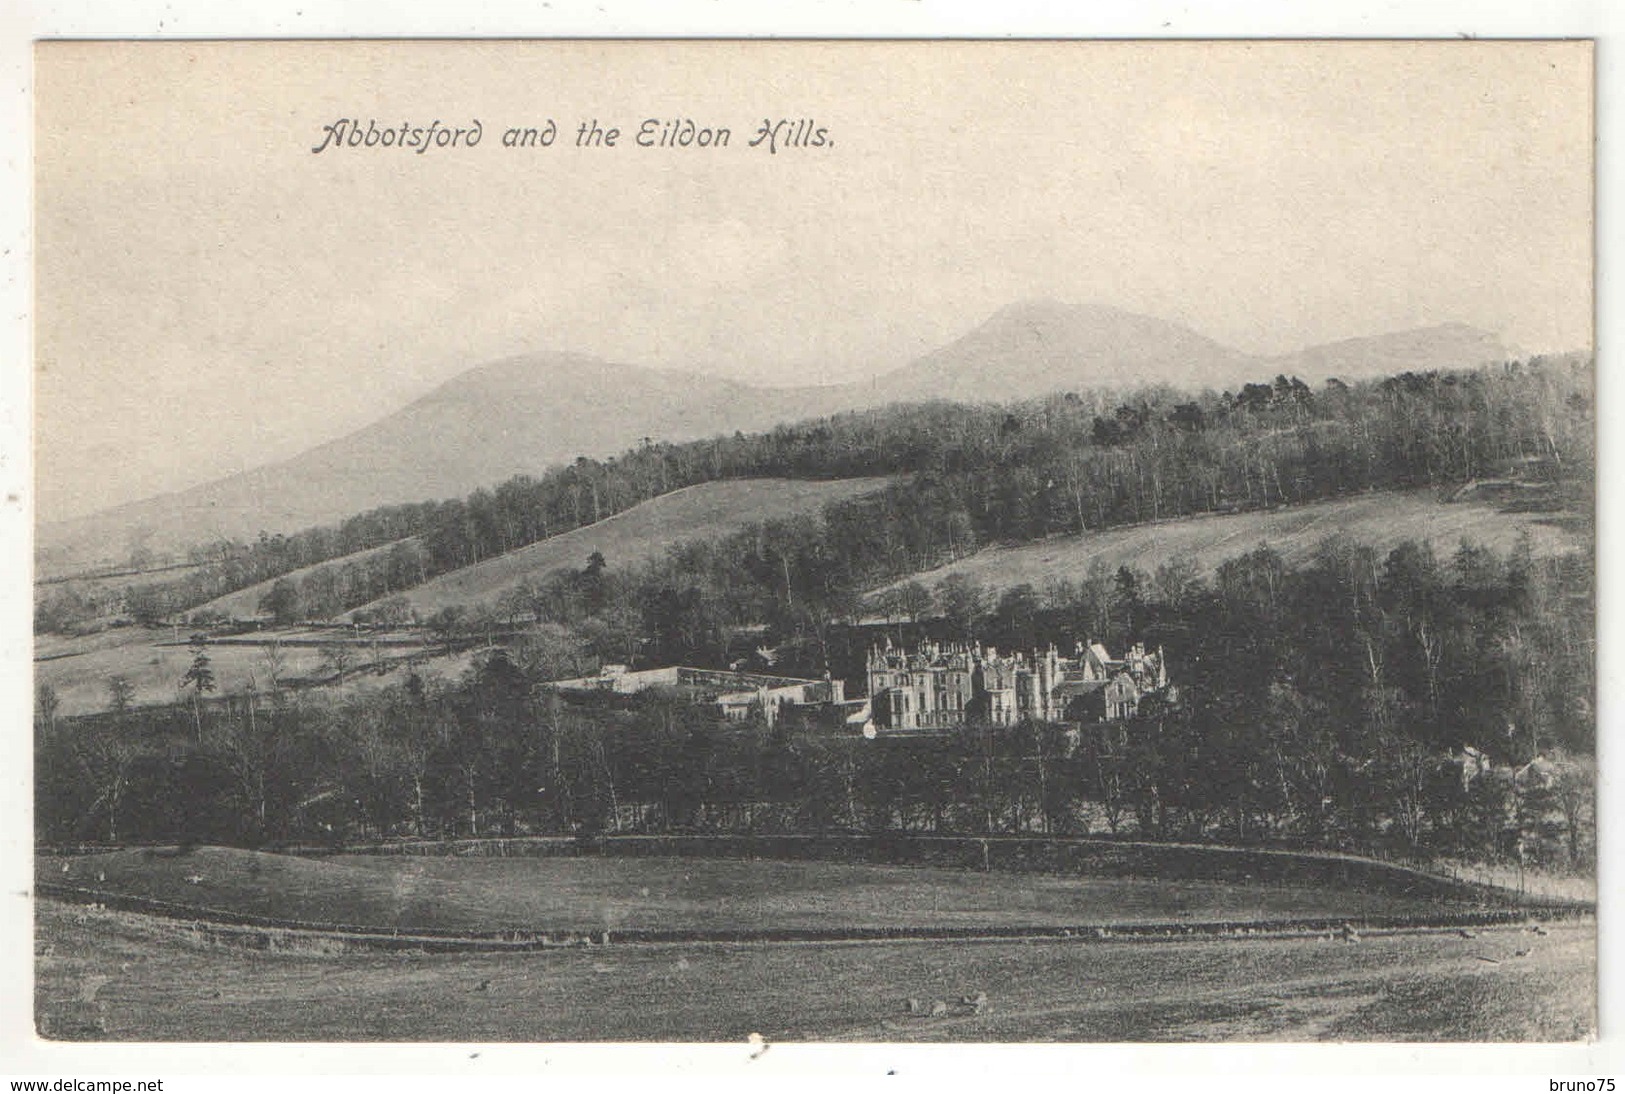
(811, 542)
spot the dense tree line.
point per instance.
(1333, 705)
(980, 474)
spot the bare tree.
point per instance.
(275, 660)
(105, 758)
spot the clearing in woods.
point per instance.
(1378, 519)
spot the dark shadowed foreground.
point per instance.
(105, 975)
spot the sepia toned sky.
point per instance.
(211, 295)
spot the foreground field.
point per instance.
(677, 894)
(112, 976)
(641, 533)
(1378, 519)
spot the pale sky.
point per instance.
(212, 296)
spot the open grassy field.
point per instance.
(1379, 519)
(103, 975)
(473, 894)
(642, 532)
(154, 662)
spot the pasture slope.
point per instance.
(1380, 519)
(641, 533)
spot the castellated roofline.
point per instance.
(939, 684)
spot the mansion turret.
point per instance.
(942, 686)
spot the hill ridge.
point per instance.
(523, 413)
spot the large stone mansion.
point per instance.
(933, 687)
(939, 686)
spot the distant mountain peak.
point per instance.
(1033, 347)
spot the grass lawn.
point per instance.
(105, 975)
(403, 892)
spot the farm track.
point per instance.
(258, 931)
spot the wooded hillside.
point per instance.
(983, 474)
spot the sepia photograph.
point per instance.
(814, 542)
